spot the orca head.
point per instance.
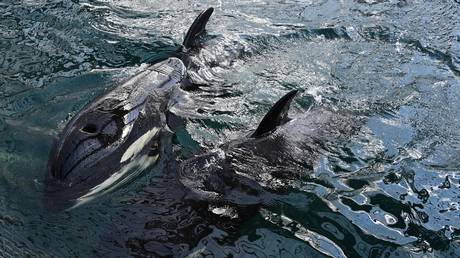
(96, 148)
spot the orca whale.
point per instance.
(271, 159)
(120, 131)
(195, 198)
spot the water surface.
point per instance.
(390, 190)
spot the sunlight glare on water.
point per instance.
(391, 188)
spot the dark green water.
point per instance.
(390, 190)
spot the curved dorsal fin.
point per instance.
(276, 116)
(198, 26)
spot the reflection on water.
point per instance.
(392, 189)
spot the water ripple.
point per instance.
(391, 188)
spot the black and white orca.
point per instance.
(271, 159)
(120, 131)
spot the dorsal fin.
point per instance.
(276, 116)
(197, 28)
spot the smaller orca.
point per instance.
(120, 131)
(271, 159)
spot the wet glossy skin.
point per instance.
(246, 171)
(222, 188)
(395, 62)
(117, 129)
